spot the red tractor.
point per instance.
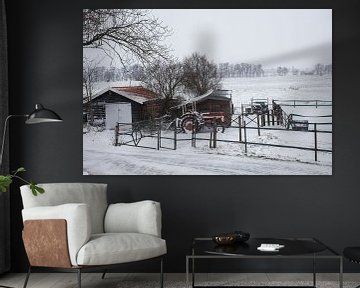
(194, 121)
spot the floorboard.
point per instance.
(114, 280)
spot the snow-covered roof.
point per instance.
(199, 98)
(211, 94)
(137, 94)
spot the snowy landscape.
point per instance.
(101, 157)
(201, 92)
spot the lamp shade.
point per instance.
(42, 115)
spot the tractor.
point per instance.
(193, 121)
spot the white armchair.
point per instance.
(72, 228)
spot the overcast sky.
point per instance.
(271, 37)
(298, 37)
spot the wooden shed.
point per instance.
(126, 104)
(211, 101)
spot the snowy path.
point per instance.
(139, 161)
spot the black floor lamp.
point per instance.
(39, 115)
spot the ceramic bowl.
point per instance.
(225, 239)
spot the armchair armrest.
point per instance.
(138, 217)
(78, 225)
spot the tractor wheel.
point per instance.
(220, 128)
(188, 123)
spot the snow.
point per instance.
(131, 96)
(100, 87)
(101, 157)
(300, 87)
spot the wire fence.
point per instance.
(131, 134)
(302, 103)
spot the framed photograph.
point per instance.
(207, 92)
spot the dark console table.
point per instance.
(294, 248)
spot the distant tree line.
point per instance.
(111, 74)
(319, 69)
(282, 71)
(136, 72)
(230, 70)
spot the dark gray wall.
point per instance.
(45, 66)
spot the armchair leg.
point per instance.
(161, 273)
(103, 275)
(27, 277)
(79, 277)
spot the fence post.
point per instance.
(240, 136)
(117, 134)
(268, 117)
(159, 136)
(210, 140)
(258, 123)
(272, 117)
(214, 139)
(193, 136)
(245, 140)
(175, 134)
(315, 135)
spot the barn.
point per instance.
(125, 104)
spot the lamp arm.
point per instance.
(4, 134)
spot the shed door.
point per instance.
(117, 112)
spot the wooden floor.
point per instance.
(114, 280)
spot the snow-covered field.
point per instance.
(100, 157)
(302, 87)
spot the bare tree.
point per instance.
(127, 33)
(165, 79)
(319, 69)
(328, 69)
(200, 75)
(136, 72)
(89, 78)
(282, 71)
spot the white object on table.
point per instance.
(270, 247)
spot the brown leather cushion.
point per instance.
(46, 243)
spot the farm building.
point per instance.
(211, 101)
(123, 104)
